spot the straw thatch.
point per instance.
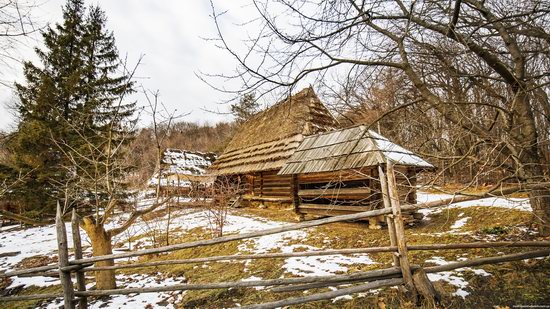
(351, 148)
(267, 140)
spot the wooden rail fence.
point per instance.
(412, 278)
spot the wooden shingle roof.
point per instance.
(267, 140)
(350, 148)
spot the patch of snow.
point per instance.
(321, 265)
(454, 277)
(254, 278)
(343, 297)
(511, 203)
(460, 223)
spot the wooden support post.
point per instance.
(63, 253)
(400, 231)
(424, 286)
(77, 244)
(295, 197)
(261, 183)
(389, 219)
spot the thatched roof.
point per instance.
(351, 148)
(267, 140)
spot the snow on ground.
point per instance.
(459, 223)
(146, 300)
(512, 203)
(521, 204)
(41, 241)
(455, 277)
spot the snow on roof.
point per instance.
(182, 163)
(350, 148)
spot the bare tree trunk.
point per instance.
(540, 202)
(539, 199)
(101, 245)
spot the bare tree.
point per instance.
(218, 198)
(16, 23)
(163, 121)
(464, 58)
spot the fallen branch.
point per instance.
(6, 254)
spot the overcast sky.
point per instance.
(170, 34)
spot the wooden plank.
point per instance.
(399, 231)
(268, 198)
(335, 207)
(387, 205)
(63, 260)
(330, 213)
(326, 295)
(210, 286)
(285, 189)
(77, 245)
(296, 197)
(335, 176)
(335, 192)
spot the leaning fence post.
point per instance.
(389, 218)
(77, 244)
(400, 231)
(63, 257)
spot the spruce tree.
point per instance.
(70, 106)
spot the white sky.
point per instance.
(170, 34)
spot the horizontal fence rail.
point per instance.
(300, 280)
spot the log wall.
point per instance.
(344, 192)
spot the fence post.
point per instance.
(389, 218)
(400, 231)
(63, 257)
(77, 244)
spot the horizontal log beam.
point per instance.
(240, 284)
(41, 269)
(398, 281)
(489, 260)
(500, 244)
(335, 192)
(326, 295)
(267, 198)
(284, 281)
(335, 207)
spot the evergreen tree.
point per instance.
(70, 106)
(245, 108)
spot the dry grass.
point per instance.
(509, 283)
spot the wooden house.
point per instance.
(264, 144)
(183, 171)
(292, 154)
(337, 172)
